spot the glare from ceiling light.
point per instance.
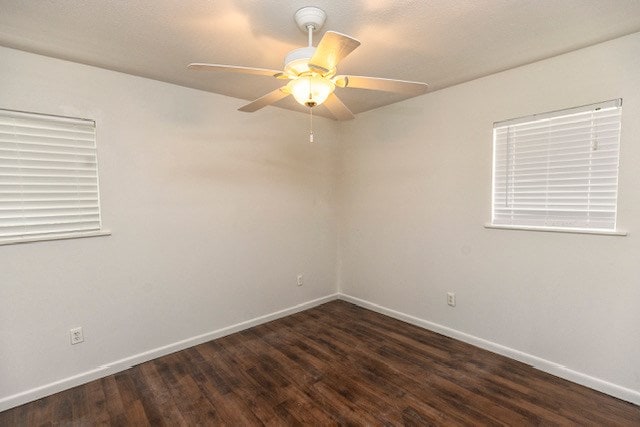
(311, 90)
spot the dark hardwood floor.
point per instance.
(333, 364)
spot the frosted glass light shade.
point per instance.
(311, 90)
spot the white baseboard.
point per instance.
(126, 363)
(544, 365)
(615, 390)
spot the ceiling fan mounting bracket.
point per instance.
(310, 16)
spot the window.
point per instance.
(48, 177)
(558, 170)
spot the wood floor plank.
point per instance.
(336, 364)
(97, 405)
(155, 396)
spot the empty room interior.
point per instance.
(319, 212)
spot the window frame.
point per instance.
(539, 118)
(45, 143)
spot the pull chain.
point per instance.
(310, 29)
(310, 124)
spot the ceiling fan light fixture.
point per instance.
(311, 90)
(311, 71)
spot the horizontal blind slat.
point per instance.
(26, 142)
(51, 221)
(543, 132)
(16, 232)
(585, 147)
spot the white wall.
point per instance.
(213, 213)
(416, 190)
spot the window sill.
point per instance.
(55, 237)
(556, 230)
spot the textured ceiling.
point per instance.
(440, 42)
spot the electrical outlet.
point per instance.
(451, 299)
(300, 279)
(76, 336)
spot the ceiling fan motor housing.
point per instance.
(297, 61)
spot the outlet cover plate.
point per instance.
(451, 299)
(76, 336)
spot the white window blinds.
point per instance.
(558, 170)
(48, 176)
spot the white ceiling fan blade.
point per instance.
(263, 101)
(386, 85)
(332, 48)
(337, 108)
(234, 69)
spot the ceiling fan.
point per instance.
(312, 71)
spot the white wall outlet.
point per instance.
(76, 336)
(300, 280)
(451, 299)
